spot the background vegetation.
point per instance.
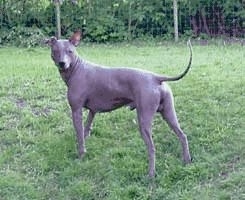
(119, 20)
(38, 158)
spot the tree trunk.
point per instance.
(234, 28)
(221, 22)
(194, 25)
(3, 13)
(204, 19)
(176, 31)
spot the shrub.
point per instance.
(22, 36)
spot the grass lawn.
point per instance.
(38, 157)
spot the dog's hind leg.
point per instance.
(145, 115)
(168, 113)
(145, 130)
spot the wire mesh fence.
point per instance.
(118, 20)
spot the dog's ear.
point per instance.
(50, 41)
(75, 38)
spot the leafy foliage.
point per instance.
(118, 20)
(22, 36)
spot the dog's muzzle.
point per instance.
(62, 65)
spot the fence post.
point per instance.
(57, 12)
(176, 31)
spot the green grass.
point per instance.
(38, 158)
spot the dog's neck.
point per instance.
(66, 74)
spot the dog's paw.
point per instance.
(187, 160)
(81, 153)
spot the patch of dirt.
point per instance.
(230, 167)
(41, 112)
(20, 103)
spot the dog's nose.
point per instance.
(62, 64)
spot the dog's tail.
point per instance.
(180, 76)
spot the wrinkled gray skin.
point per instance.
(102, 89)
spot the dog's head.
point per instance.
(63, 52)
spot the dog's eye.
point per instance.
(70, 51)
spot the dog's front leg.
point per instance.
(78, 124)
(88, 125)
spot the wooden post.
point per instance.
(176, 31)
(57, 13)
(130, 21)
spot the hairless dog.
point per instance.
(103, 89)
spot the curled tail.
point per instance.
(180, 76)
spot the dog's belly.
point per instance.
(107, 104)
